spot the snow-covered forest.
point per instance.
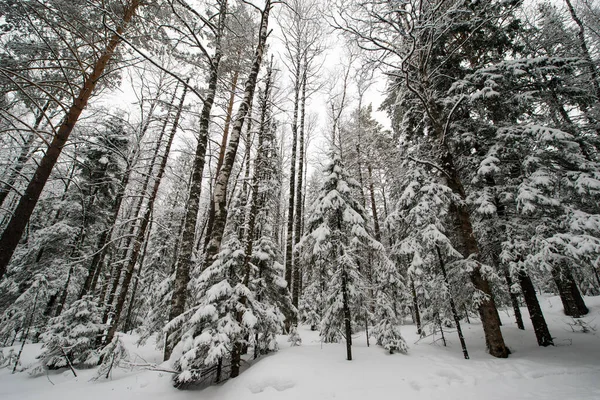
(398, 198)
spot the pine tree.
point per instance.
(70, 339)
(338, 234)
(387, 313)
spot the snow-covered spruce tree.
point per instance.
(111, 355)
(422, 239)
(25, 313)
(460, 37)
(388, 313)
(70, 338)
(208, 330)
(337, 234)
(262, 266)
(241, 294)
(542, 153)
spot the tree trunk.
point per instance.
(415, 306)
(347, 316)
(127, 325)
(487, 307)
(16, 226)
(373, 204)
(514, 300)
(188, 236)
(220, 159)
(289, 241)
(144, 225)
(297, 281)
(535, 311)
(573, 303)
(222, 181)
(453, 307)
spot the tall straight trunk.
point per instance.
(137, 245)
(220, 192)
(487, 307)
(513, 299)
(188, 236)
(24, 155)
(220, 159)
(452, 306)
(376, 227)
(254, 206)
(16, 226)
(289, 241)
(415, 306)
(297, 280)
(347, 316)
(222, 181)
(535, 311)
(571, 298)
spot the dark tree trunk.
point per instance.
(415, 306)
(514, 300)
(289, 242)
(16, 226)
(188, 236)
(535, 311)
(571, 298)
(373, 204)
(487, 307)
(347, 316)
(453, 307)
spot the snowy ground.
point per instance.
(570, 370)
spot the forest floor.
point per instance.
(315, 371)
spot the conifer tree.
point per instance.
(337, 234)
(70, 339)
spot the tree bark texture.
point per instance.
(535, 311)
(573, 303)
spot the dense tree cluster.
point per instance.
(208, 209)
